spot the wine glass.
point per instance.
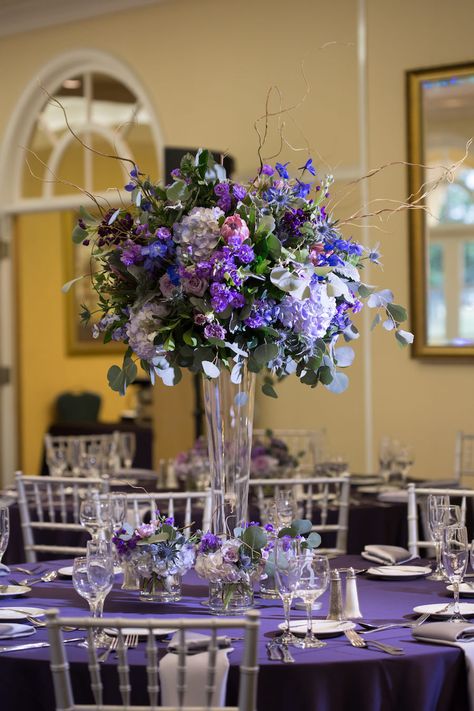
(127, 446)
(56, 459)
(404, 458)
(4, 529)
(75, 452)
(287, 563)
(285, 507)
(94, 515)
(455, 554)
(118, 509)
(436, 522)
(92, 577)
(385, 458)
(313, 581)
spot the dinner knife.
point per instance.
(36, 645)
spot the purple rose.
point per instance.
(168, 289)
(194, 285)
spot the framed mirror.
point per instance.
(440, 105)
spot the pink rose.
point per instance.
(234, 230)
(194, 285)
(168, 289)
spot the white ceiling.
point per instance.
(23, 15)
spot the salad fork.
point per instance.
(380, 628)
(357, 641)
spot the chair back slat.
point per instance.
(464, 456)
(247, 689)
(304, 445)
(177, 503)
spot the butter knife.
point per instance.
(36, 645)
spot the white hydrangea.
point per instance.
(143, 327)
(198, 233)
(310, 317)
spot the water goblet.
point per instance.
(314, 580)
(455, 553)
(92, 577)
(436, 522)
(94, 515)
(56, 459)
(285, 507)
(118, 509)
(4, 529)
(287, 562)
(127, 446)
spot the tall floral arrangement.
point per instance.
(206, 273)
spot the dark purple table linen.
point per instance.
(427, 678)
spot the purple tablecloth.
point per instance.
(427, 678)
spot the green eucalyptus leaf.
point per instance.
(301, 526)
(79, 234)
(269, 390)
(116, 378)
(397, 312)
(254, 537)
(265, 353)
(313, 540)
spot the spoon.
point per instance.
(46, 578)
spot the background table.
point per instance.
(427, 678)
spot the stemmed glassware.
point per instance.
(285, 507)
(127, 446)
(56, 459)
(95, 515)
(92, 577)
(4, 529)
(455, 553)
(436, 520)
(118, 509)
(314, 580)
(288, 564)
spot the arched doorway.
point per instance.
(107, 107)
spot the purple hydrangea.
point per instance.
(210, 543)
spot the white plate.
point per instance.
(365, 480)
(377, 489)
(13, 590)
(465, 589)
(399, 572)
(13, 631)
(158, 631)
(438, 609)
(19, 613)
(67, 571)
(321, 628)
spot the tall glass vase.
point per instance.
(229, 419)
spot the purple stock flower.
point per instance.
(210, 543)
(169, 521)
(163, 233)
(269, 527)
(222, 190)
(267, 169)
(245, 254)
(131, 254)
(214, 330)
(176, 174)
(239, 191)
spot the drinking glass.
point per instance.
(436, 522)
(94, 515)
(92, 577)
(385, 458)
(285, 507)
(314, 580)
(75, 452)
(127, 446)
(404, 458)
(287, 576)
(118, 509)
(455, 552)
(4, 529)
(56, 459)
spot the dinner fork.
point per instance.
(111, 648)
(357, 641)
(416, 623)
(130, 641)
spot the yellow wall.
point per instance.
(207, 66)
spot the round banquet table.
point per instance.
(427, 678)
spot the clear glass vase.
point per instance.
(229, 417)
(131, 579)
(156, 588)
(230, 598)
(268, 588)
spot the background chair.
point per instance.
(464, 456)
(305, 445)
(417, 509)
(83, 455)
(52, 504)
(78, 407)
(185, 506)
(62, 678)
(322, 497)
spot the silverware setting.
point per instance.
(357, 641)
(36, 645)
(273, 651)
(111, 648)
(46, 578)
(285, 652)
(380, 628)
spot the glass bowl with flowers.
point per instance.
(160, 553)
(232, 565)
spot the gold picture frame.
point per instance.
(79, 339)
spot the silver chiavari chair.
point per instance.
(464, 456)
(312, 495)
(52, 504)
(83, 454)
(61, 671)
(183, 504)
(305, 445)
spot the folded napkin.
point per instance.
(196, 674)
(4, 569)
(391, 555)
(195, 641)
(456, 634)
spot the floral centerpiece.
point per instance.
(270, 456)
(232, 566)
(160, 554)
(192, 468)
(228, 280)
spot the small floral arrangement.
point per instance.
(270, 455)
(158, 550)
(192, 468)
(206, 273)
(235, 563)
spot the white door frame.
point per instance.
(13, 203)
